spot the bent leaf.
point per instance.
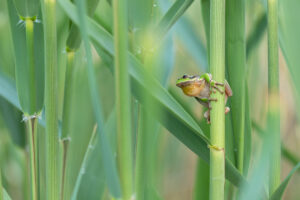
(280, 190)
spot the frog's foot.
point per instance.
(217, 88)
(227, 109)
(207, 116)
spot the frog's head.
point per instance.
(191, 85)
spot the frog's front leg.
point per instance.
(213, 84)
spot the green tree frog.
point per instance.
(201, 87)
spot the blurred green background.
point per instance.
(181, 51)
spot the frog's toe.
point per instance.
(227, 109)
(218, 89)
(207, 116)
(220, 84)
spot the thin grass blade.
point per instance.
(84, 163)
(108, 159)
(8, 90)
(172, 15)
(277, 195)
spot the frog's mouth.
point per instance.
(184, 84)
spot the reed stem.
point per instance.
(123, 105)
(274, 105)
(236, 60)
(29, 24)
(217, 129)
(52, 142)
(31, 129)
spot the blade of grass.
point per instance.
(248, 134)
(5, 195)
(51, 110)
(217, 128)
(287, 154)
(72, 45)
(29, 26)
(172, 115)
(74, 39)
(255, 189)
(277, 195)
(187, 34)
(256, 33)
(27, 8)
(123, 105)
(1, 187)
(291, 157)
(10, 116)
(29, 80)
(93, 183)
(19, 42)
(236, 62)
(172, 15)
(8, 91)
(273, 92)
(189, 38)
(108, 159)
(84, 163)
(289, 41)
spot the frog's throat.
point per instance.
(193, 90)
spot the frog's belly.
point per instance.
(205, 92)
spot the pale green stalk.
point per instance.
(29, 23)
(274, 110)
(217, 130)
(31, 122)
(52, 158)
(1, 187)
(31, 129)
(235, 61)
(123, 96)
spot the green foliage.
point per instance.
(122, 79)
(27, 94)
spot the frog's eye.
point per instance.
(185, 76)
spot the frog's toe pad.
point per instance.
(227, 109)
(207, 116)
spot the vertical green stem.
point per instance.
(205, 9)
(217, 130)
(66, 114)
(274, 110)
(123, 96)
(31, 129)
(1, 187)
(236, 60)
(67, 93)
(52, 158)
(30, 56)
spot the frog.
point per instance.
(201, 88)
